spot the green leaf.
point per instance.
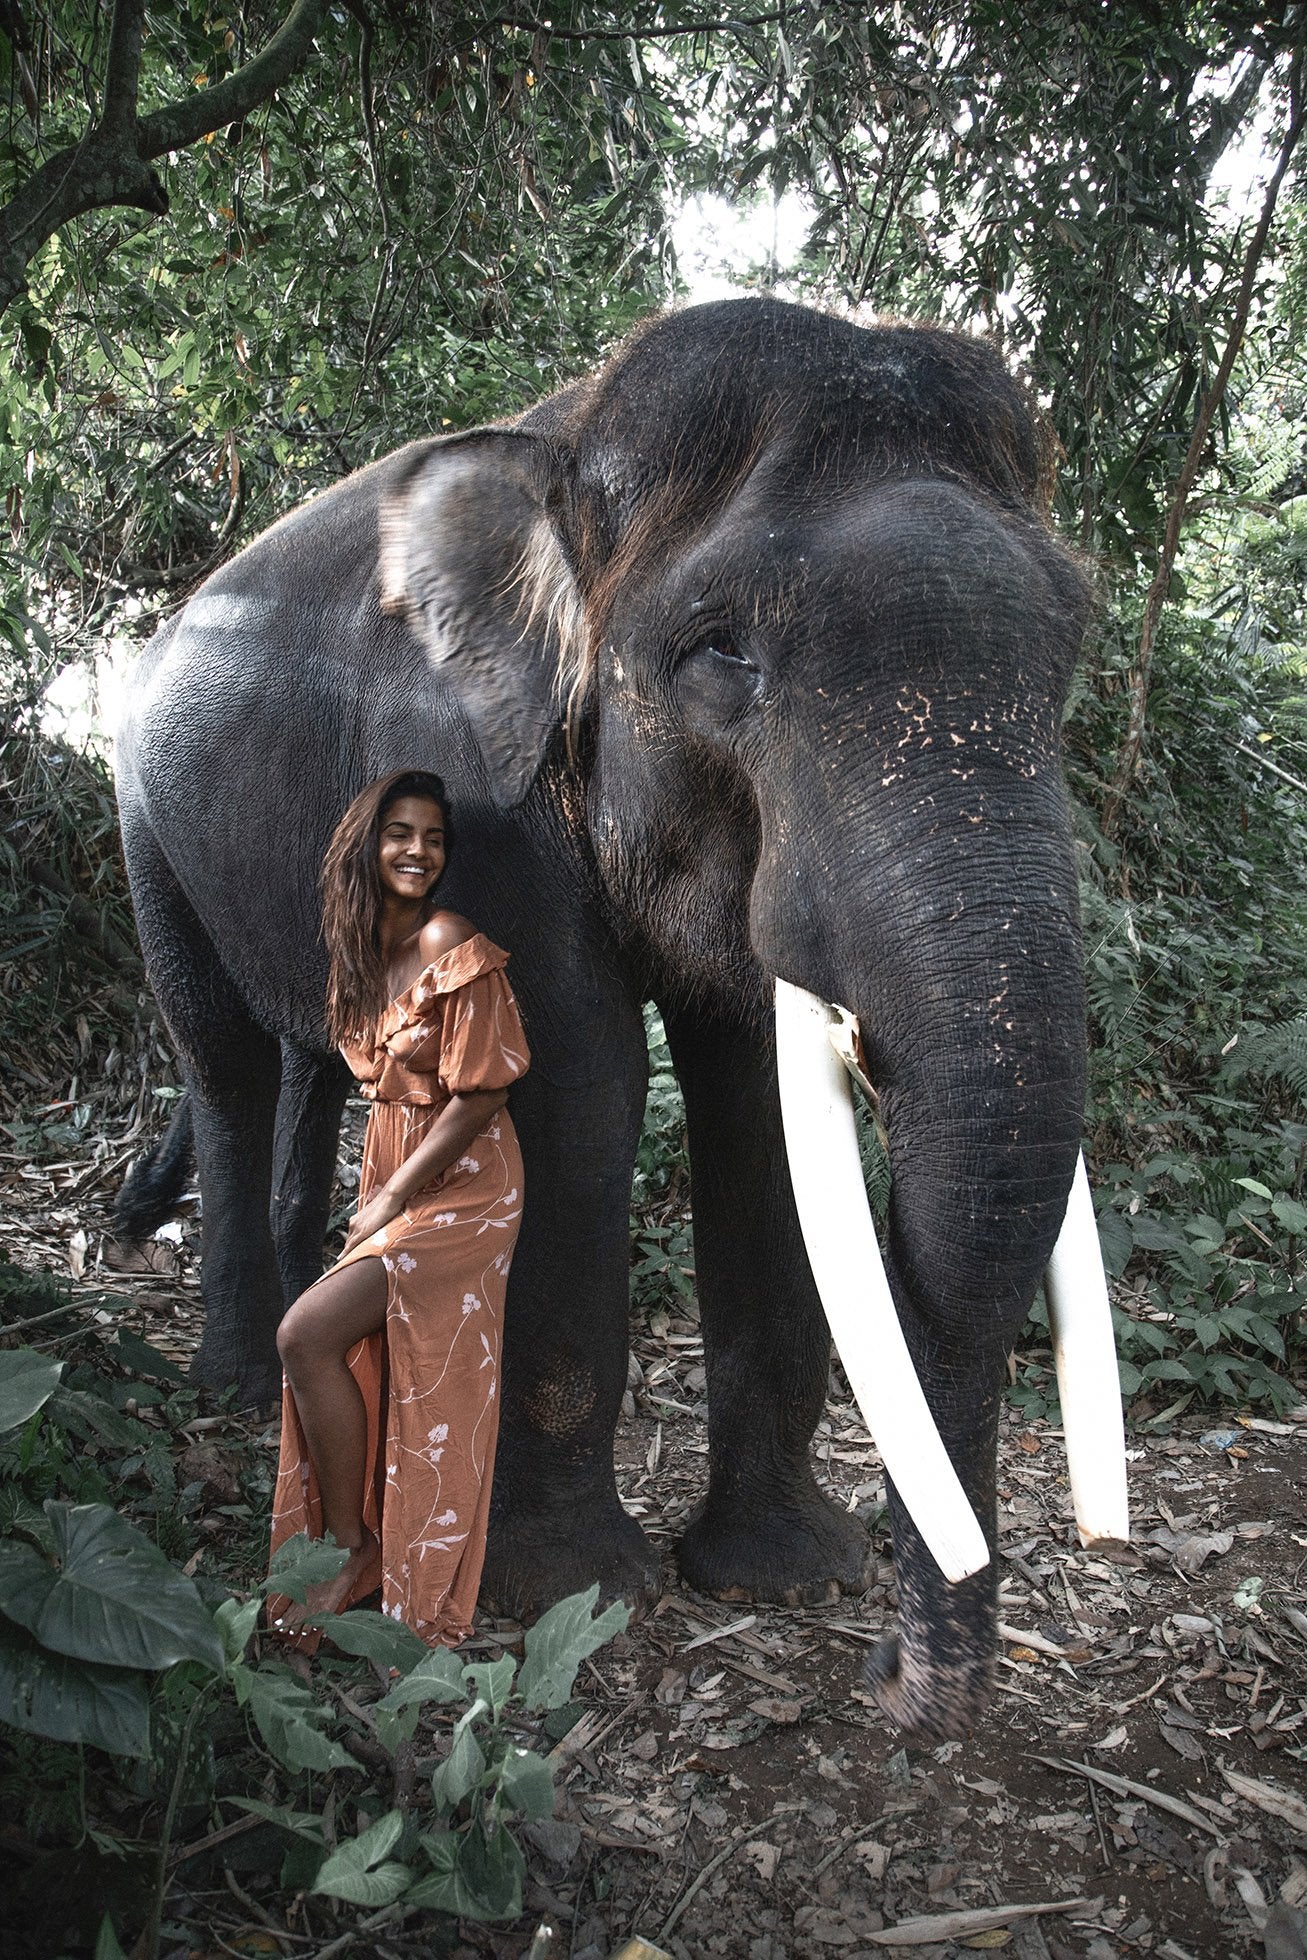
(301, 1823)
(462, 1769)
(300, 1563)
(235, 1623)
(437, 1677)
(1116, 1240)
(372, 1637)
(558, 1643)
(1251, 1184)
(492, 1868)
(527, 1783)
(107, 1943)
(394, 1725)
(143, 1359)
(1291, 1215)
(491, 1681)
(288, 1718)
(27, 1381)
(71, 1701)
(471, 1876)
(111, 1597)
(357, 1871)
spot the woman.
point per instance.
(390, 1408)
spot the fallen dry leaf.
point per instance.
(777, 1709)
(935, 1927)
(1123, 1787)
(1283, 1804)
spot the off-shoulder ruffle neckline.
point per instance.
(472, 957)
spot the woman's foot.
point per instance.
(360, 1574)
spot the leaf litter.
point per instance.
(728, 1788)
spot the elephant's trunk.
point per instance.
(973, 1027)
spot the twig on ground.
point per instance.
(697, 1884)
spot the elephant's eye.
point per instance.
(717, 681)
(721, 646)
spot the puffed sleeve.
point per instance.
(461, 1024)
(483, 1044)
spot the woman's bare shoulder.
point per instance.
(441, 933)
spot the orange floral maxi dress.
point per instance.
(430, 1378)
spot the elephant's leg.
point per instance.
(556, 1521)
(764, 1529)
(313, 1092)
(233, 1071)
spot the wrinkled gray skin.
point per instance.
(817, 639)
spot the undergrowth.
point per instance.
(152, 1742)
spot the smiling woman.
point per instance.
(390, 1408)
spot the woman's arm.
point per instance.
(461, 1120)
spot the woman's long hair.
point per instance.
(352, 901)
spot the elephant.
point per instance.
(744, 660)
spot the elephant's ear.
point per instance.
(470, 554)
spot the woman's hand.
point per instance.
(378, 1211)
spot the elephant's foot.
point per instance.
(532, 1560)
(803, 1555)
(931, 1702)
(219, 1364)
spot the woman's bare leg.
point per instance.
(313, 1340)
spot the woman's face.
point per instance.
(411, 847)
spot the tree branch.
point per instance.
(111, 164)
(1127, 762)
(232, 99)
(122, 70)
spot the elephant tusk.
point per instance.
(826, 1172)
(1084, 1351)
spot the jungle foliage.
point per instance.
(155, 1703)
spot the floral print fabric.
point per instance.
(430, 1381)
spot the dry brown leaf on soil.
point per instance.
(1283, 1804)
(936, 1927)
(1122, 1786)
(777, 1708)
(1190, 1550)
(150, 1256)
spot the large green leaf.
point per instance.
(288, 1718)
(462, 1768)
(300, 1563)
(527, 1783)
(491, 1681)
(27, 1381)
(472, 1875)
(558, 1643)
(69, 1700)
(373, 1637)
(111, 1596)
(359, 1870)
(235, 1623)
(437, 1677)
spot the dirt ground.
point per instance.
(1138, 1785)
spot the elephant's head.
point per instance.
(790, 582)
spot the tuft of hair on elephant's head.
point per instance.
(746, 658)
